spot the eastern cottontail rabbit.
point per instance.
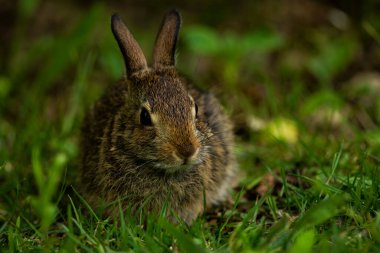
(153, 138)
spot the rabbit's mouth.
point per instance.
(176, 162)
(173, 168)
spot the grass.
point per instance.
(309, 156)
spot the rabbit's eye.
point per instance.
(196, 110)
(145, 117)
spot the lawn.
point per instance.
(300, 81)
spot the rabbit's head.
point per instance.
(158, 125)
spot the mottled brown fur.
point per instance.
(177, 159)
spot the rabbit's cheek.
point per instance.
(144, 134)
(144, 139)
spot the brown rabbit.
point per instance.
(153, 138)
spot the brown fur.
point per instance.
(123, 159)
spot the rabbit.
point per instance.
(153, 138)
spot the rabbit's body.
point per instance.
(154, 139)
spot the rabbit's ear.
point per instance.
(164, 49)
(133, 56)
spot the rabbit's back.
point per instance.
(97, 123)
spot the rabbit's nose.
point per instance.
(187, 151)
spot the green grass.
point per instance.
(307, 146)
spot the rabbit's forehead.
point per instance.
(170, 103)
(168, 95)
